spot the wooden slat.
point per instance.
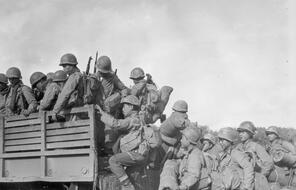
(48, 179)
(2, 122)
(22, 123)
(57, 152)
(69, 144)
(62, 138)
(22, 135)
(22, 141)
(71, 111)
(67, 124)
(22, 147)
(21, 117)
(67, 131)
(22, 129)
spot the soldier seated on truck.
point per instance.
(131, 150)
(73, 90)
(39, 83)
(53, 90)
(4, 89)
(21, 99)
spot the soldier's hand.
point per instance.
(26, 113)
(99, 108)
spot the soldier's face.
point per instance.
(224, 143)
(2, 86)
(271, 137)
(13, 81)
(207, 145)
(41, 85)
(68, 69)
(244, 135)
(184, 142)
(127, 109)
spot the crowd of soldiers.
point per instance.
(187, 160)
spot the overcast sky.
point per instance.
(231, 60)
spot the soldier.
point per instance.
(53, 90)
(113, 91)
(211, 149)
(147, 93)
(112, 86)
(72, 92)
(234, 170)
(277, 143)
(262, 161)
(39, 82)
(133, 150)
(20, 99)
(170, 129)
(184, 173)
(4, 89)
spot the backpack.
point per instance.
(92, 89)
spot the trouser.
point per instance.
(125, 159)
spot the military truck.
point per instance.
(37, 153)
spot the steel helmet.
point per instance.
(104, 64)
(13, 72)
(68, 59)
(247, 126)
(180, 106)
(3, 78)
(50, 76)
(59, 76)
(272, 129)
(210, 137)
(228, 134)
(131, 99)
(36, 77)
(137, 73)
(193, 134)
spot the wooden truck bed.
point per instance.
(33, 149)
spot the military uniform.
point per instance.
(3, 96)
(262, 161)
(132, 150)
(20, 100)
(280, 144)
(234, 171)
(186, 171)
(50, 96)
(71, 94)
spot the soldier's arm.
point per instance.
(30, 98)
(289, 146)
(118, 84)
(120, 124)
(265, 158)
(192, 176)
(243, 161)
(50, 95)
(66, 92)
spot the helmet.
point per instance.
(272, 129)
(193, 134)
(50, 75)
(180, 106)
(3, 78)
(104, 64)
(36, 77)
(137, 73)
(131, 99)
(68, 59)
(13, 72)
(228, 134)
(59, 76)
(210, 137)
(247, 126)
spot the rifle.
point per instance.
(88, 65)
(96, 60)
